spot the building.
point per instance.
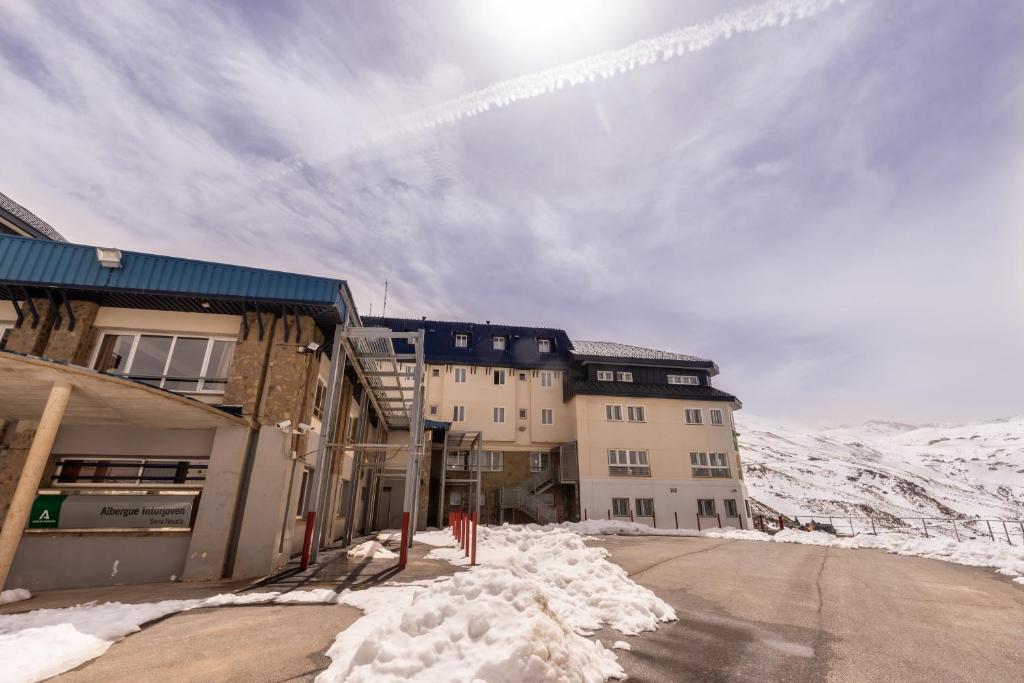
(15, 219)
(168, 418)
(566, 430)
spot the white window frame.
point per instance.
(458, 413)
(499, 342)
(547, 416)
(460, 375)
(498, 414)
(712, 465)
(434, 409)
(539, 460)
(624, 376)
(684, 379)
(544, 345)
(636, 414)
(523, 413)
(435, 372)
(735, 513)
(693, 416)
(499, 376)
(617, 511)
(490, 461)
(547, 378)
(640, 505)
(140, 463)
(605, 376)
(138, 334)
(623, 462)
(319, 397)
(702, 510)
(461, 340)
(717, 419)
(613, 412)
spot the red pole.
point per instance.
(719, 516)
(465, 533)
(741, 521)
(654, 517)
(403, 553)
(307, 539)
(584, 514)
(698, 521)
(677, 518)
(455, 525)
(609, 515)
(472, 555)
(782, 522)
(631, 515)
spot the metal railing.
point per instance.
(1009, 531)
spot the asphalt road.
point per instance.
(753, 611)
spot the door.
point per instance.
(385, 507)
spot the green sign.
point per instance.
(46, 512)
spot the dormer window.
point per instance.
(683, 379)
(499, 343)
(461, 340)
(625, 376)
(605, 376)
(544, 345)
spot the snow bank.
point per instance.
(1006, 559)
(14, 595)
(370, 549)
(45, 642)
(521, 615)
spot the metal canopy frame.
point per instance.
(393, 389)
(459, 441)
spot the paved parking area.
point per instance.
(752, 611)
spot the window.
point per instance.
(435, 372)
(460, 375)
(539, 461)
(433, 410)
(133, 471)
(300, 509)
(636, 414)
(716, 416)
(624, 463)
(620, 507)
(461, 341)
(458, 460)
(730, 508)
(522, 413)
(318, 399)
(522, 376)
(644, 507)
(625, 376)
(499, 376)
(693, 416)
(613, 412)
(683, 379)
(746, 504)
(4, 329)
(499, 343)
(459, 414)
(490, 461)
(605, 375)
(455, 498)
(547, 416)
(705, 507)
(546, 378)
(499, 414)
(544, 345)
(189, 364)
(709, 465)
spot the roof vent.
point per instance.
(108, 258)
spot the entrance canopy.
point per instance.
(97, 398)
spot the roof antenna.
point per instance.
(371, 310)
(383, 313)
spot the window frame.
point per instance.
(463, 337)
(140, 463)
(458, 413)
(496, 412)
(624, 376)
(460, 372)
(684, 380)
(501, 375)
(547, 379)
(499, 342)
(137, 336)
(721, 417)
(605, 376)
(710, 465)
(547, 416)
(633, 410)
(626, 462)
(543, 342)
(695, 412)
(539, 461)
(701, 508)
(616, 510)
(735, 513)
(434, 409)
(319, 398)
(641, 509)
(609, 415)
(4, 329)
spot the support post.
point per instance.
(782, 522)
(924, 522)
(403, 551)
(676, 514)
(718, 516)
(472, 552)
(955, 531)
(412, 477)
(355, 472)
(990, 534)
(1007, 532)
(873, 532)
(31, 473)
(307, 539)
(698, 521)
(609, 515)
(584, 514)
(324, 452)
(852, 532)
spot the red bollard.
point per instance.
(609, 515)
(403, 552)
(677, 519)
(307, 540)
(719, 516)
(455, 525)
(584, 514)
(465, 534)
(698, 521)
(472, 554)
(631, 515)
(782, 522)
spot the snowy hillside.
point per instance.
(883, 468)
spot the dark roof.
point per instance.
(626, 354)
(684, 392)
(35, 226)
(521, 349)
(42, 268)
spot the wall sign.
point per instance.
(87, 511)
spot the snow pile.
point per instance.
(1006, 559)
(45, 642)
(521, 615)
(14, 595)
(370, 549)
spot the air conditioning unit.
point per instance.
(108, 257)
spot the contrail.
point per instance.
(606, 64)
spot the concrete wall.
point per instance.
(261, 539)
(671, 498)
(50, 560)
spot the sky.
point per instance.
(831, 209)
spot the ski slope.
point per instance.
(886, 469)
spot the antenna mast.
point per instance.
(383, 312)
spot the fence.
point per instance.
(1009, 531)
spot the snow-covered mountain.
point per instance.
(886, 469)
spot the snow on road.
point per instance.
(523, 614)
(1004, 558)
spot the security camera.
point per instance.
(303, 428)
(311, 347)
(284, 424)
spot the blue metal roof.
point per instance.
(38, 263)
